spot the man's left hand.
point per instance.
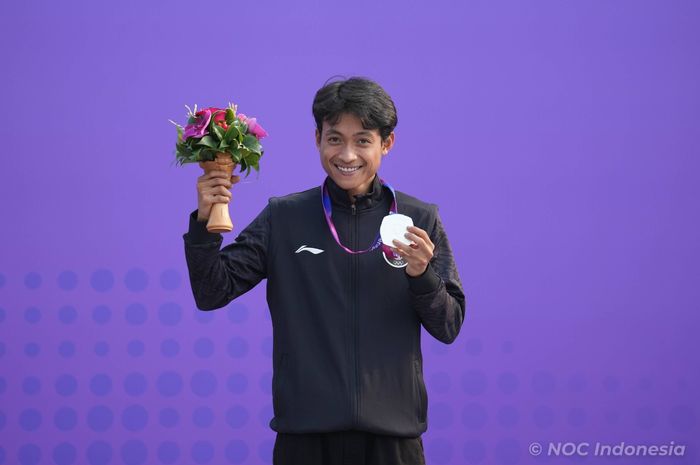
(419, 253)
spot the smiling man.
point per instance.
(351, 154)
(346, 309)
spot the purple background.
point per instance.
(559, 138)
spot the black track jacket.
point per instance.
(346, 327)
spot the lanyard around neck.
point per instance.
(326, 201)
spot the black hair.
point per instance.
(357, 95)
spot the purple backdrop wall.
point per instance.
(559, 138)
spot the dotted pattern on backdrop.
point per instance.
(95, 413)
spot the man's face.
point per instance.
(351, 154)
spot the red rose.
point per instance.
(219, 117)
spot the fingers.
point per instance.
(403, 249)
(215, 190)
(219, 190)
(212, 188)
(420, 233)
(218, 198)
(420, 247)
(206, 189)
(417, 241)
(220, 179)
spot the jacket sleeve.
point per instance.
(437, 295)
(219, 276)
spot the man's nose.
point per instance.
(347, 154)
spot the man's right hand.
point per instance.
(213, 188)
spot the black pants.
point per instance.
(347, 448)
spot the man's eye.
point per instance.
(333, 140)
(365, 141)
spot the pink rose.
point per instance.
(253, 127)
(199, 127)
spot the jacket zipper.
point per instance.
(356, 412)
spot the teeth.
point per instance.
(347, 170)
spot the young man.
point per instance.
(346, 311)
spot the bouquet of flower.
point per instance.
(220, 131)
(219, 139)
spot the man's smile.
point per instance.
(347, 169)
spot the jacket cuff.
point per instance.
(198, 234)
(425, 283)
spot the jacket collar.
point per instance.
(340, 197)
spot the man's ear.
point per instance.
(388, 143)
(318, 139)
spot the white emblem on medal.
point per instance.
(395, 260)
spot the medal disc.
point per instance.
(394, 227)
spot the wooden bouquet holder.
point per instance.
(219, 219)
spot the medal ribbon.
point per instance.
(326, 201)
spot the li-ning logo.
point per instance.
(313, 250)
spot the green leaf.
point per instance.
(231, 133)
(218, 131)
(207, 154)
(181, 150)
(183, 153)
(236, 154)
(230, 116)
(251, 142)
(207, 141)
